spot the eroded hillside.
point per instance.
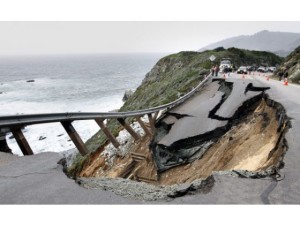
(292, 63)
(170, 78)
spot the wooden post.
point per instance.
(22, 142)
(3, 144)
(129, 129)
(75, 137)
(148, 132)
(108, 134)
(155, 115)
(152, 122)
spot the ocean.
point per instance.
(70, 83)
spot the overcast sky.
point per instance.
(39, 38)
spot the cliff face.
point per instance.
(173, 76)
(292, 63)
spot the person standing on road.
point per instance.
(217, 70)
(285, 74)
(280, 74)
(212, 70)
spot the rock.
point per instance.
(69, 157)
(30, 81)
(292, 63)
(42, 138)
(127, 94)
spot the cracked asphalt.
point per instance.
(39, 179)
(197, 122)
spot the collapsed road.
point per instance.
(44, 182)
(192, 127)
(228, 126)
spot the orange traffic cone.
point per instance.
(286, 82)
(268, 78)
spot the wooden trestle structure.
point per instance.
(17, 122)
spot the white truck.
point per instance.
(225, 65)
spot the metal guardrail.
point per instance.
(16, 122)
(29, 119)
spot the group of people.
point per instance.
(283, 73)
(215, 70)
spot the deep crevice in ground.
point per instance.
(251, 145)
(192, 148)
(226, 88)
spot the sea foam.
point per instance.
(67, 84)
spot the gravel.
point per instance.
(145, 191)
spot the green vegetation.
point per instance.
(77, 165)
(172, 75)
(292, 63)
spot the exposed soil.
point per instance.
(250, 145)
(254, 143)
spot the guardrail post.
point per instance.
(74, 137)
(129, 129)
(152, 122)
(155, 115)
(21, 140)
(3, 144)
(108, 134)
(147, 131)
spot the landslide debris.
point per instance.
(254, 142)
(253, 147)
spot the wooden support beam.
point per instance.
(108, 134)
(135, 135)
(22, 142)
(3, 144)
(147, 131)
(146, 179)
(138, 157)
(155, 115)
(74, 137)
(152, 122)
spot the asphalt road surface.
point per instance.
(39, 179)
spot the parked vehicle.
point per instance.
(226, 65)
(272, 69)
(262, 69)
(251, 68)
(242, 70)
